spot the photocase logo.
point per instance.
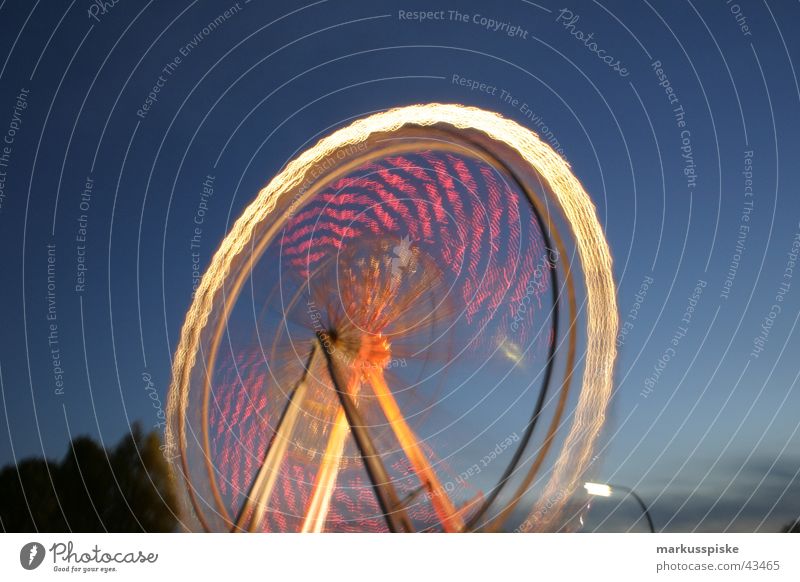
(31, 555)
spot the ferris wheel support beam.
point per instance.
(326, 476)
(253, 510)
(393, 512)
(448, 515)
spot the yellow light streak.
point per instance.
(448, 516)
(261, 491)
(326, 476)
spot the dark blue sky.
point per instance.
(711, 437)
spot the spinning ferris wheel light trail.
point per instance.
(404, 179)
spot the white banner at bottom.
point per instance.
(399, 557)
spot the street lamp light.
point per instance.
(606, 490)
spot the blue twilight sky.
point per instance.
(686, 140)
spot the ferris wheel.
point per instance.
(411, 328)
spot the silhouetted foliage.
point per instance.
(793, 527)
(123, 489)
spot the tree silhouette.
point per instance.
(793, 527)
(124, 489)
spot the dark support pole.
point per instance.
(393, 511)
(641, 503)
